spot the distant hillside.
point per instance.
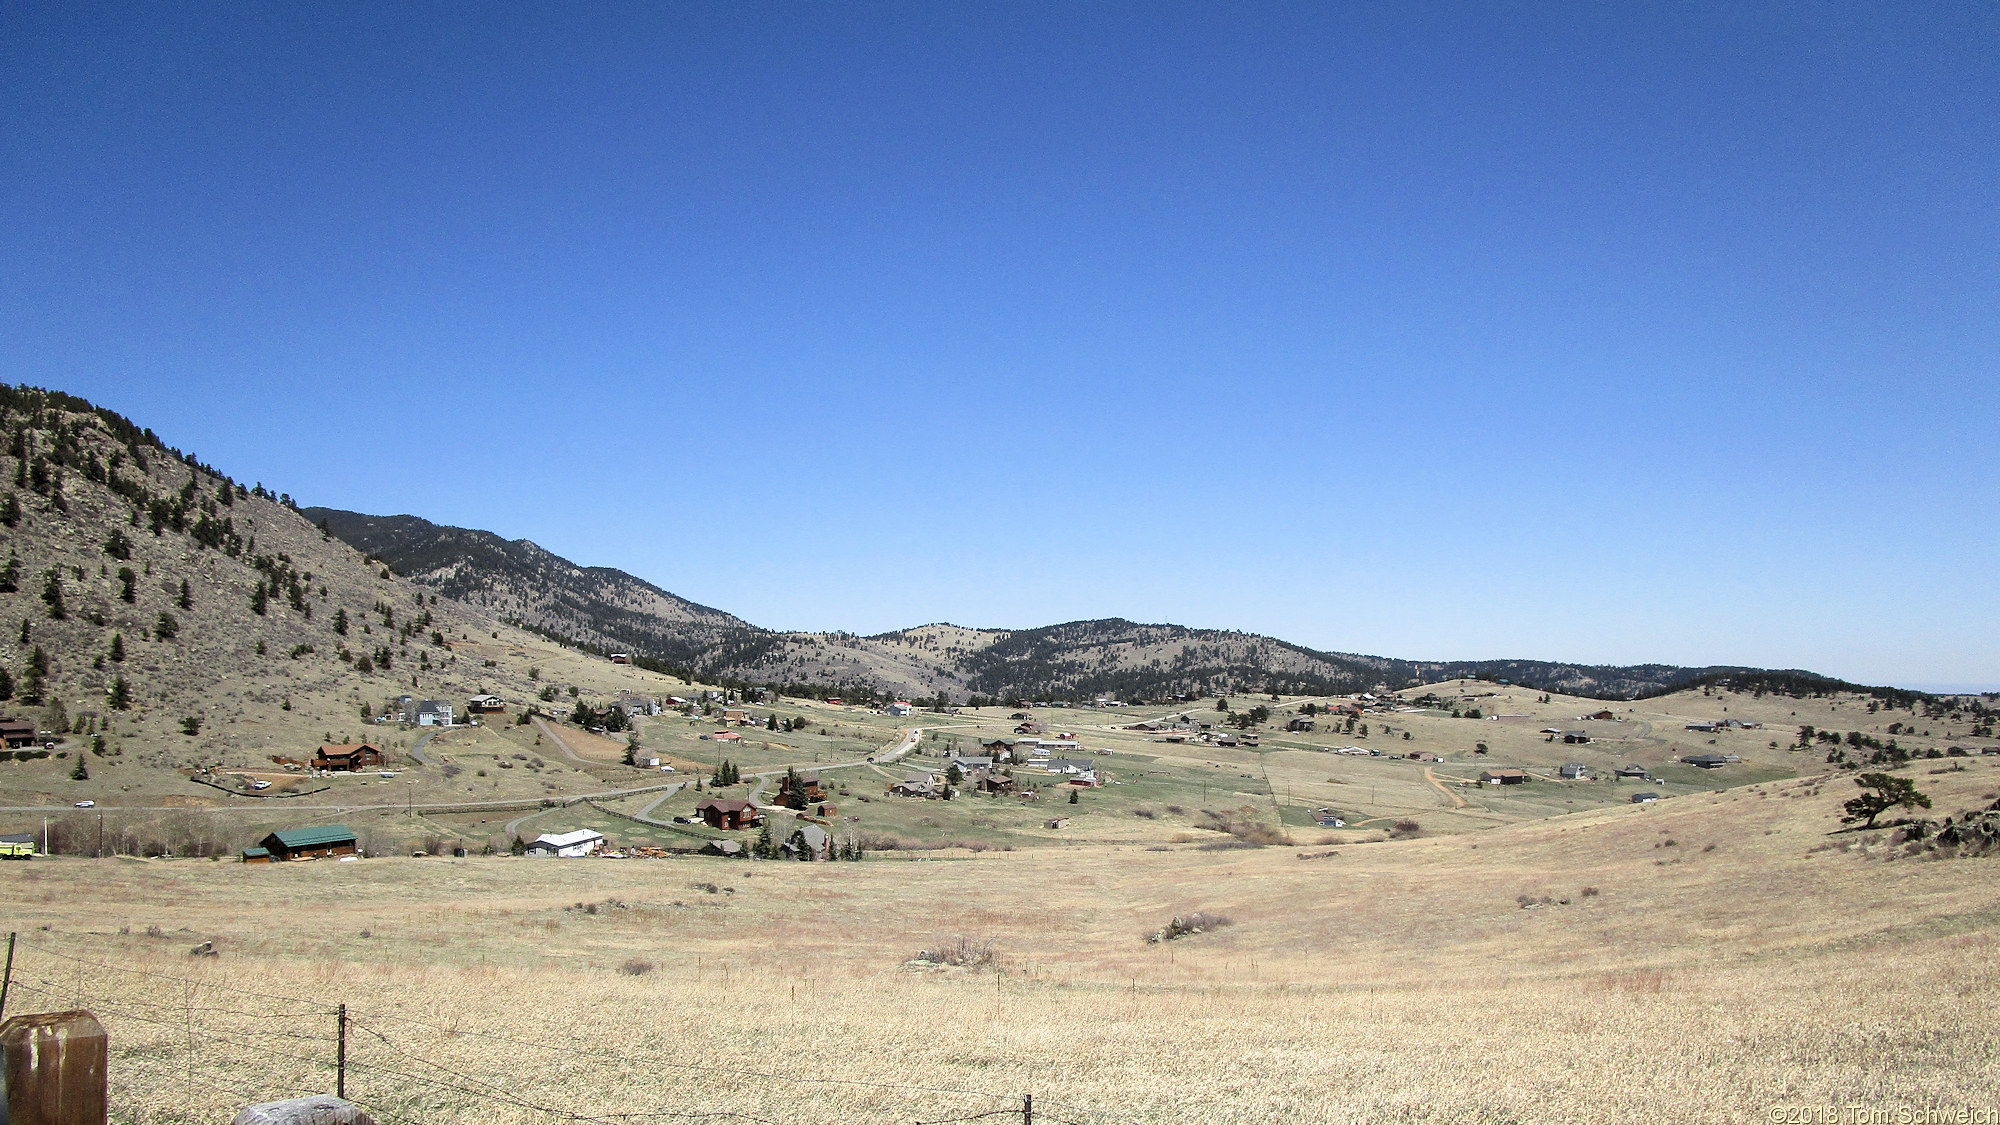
(608, 609)
(520, 582)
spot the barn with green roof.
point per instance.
(310, 843)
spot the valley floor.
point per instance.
(1718, 957)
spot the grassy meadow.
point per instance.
(1715, 957)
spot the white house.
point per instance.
(900, 707)
(433, 713)
(581, 842)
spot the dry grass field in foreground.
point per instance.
(1712, 958)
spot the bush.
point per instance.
(1200, 922)
(637, 967)
(962, 952)
(1405, 827)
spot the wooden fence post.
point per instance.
(57, 1068)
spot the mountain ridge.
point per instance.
(607, 609)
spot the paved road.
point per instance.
(417, 751)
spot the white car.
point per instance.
(86, 804)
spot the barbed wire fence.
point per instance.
(187, 1048)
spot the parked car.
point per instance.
(86, 804)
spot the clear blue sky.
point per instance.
(1584, 333)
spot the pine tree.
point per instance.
(166, 628)
(117, 652)
(766, 847)
(186, 599)
(10, 575)
(6, 684)
(340, 624)
(10, 510)
(260, 599)
(81, 772)
(52, 596)
(120, 698)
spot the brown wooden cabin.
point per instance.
(348, 757)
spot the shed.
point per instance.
(310, 843)
(1604, 716)
(728, 813)
(256, 855)
(1503, 777)
(1425, 756)
(346, 757)
(569, 845)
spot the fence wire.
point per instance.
(197, 1048)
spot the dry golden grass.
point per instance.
(1395, 981)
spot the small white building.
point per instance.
(900, 707)
(581, 842)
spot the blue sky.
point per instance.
(1581, 333)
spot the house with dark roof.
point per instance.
(1576, 737)
(1631, 771)
(1644, 798)
(728, 813)
(915, 785)
(433, 713)
(1574, 771)
(311, 843)
(17, 732)
(1706, 761)
(346, 757)
(1503, 777)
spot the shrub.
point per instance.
(1200, 922)
(962, 952)
(1405, 827)
(636, 967)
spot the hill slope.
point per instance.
(610, 609)
(519, 581)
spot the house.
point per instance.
(986, 781)
(809, 843)
(347, 757)
(1644, 798)
(1032, 726)
(1425, 756)
(728, 813)
(971, 763)
(310, 843)
(915, 785)
(1603, 716)
(1706, 761)
(900, 707)
(433, 713)
(1300, 724)
(1503, 777)
(17, 845)
(1327, 818)
(1576, 737)
(1631, 771)
(17, 732)
(1000, 750)
(738, 716)
(621, 658)
(568, 845)
(1574, 771)
(484, 704)
(724, 736)
(809, 789)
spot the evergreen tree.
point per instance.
(186, 599)
(10, 575)
(52, 596)
(127, 585)
(260, 600)
(766, 847)
(120, 697)
(81, 772)
(10, 510)
(117, 652)
(1072, 797)
(6, 685)
(166, 628)
(340, 622)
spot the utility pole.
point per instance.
(9, 978)
(100, 837)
